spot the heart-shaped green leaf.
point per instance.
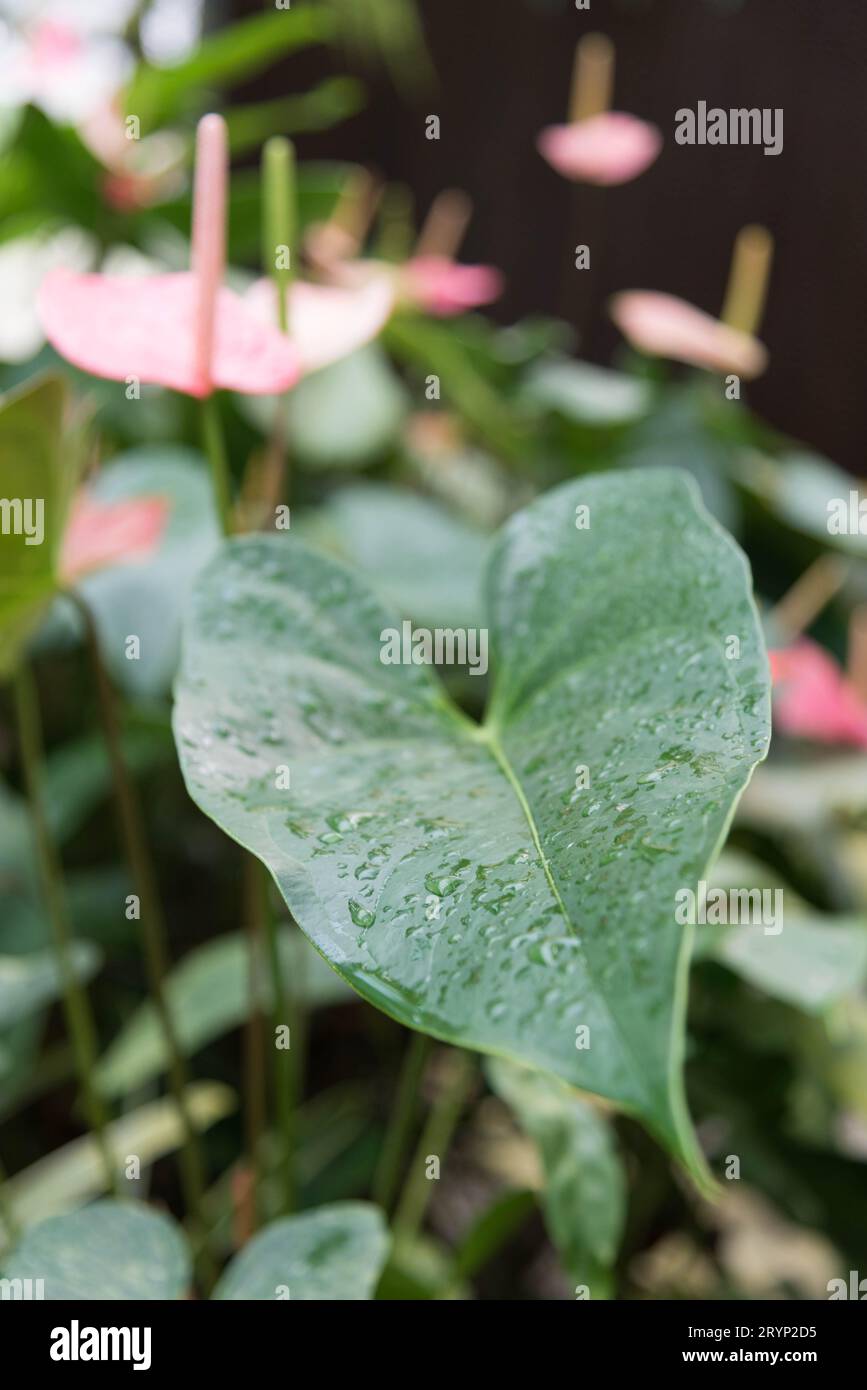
(111, 1250)
(464, 878)
(335, 1253)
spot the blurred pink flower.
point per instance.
(665, 326)
(437, 285)
(813, 699)
(606, 149)
(443, 287)
(184, 331)
(99, 534)
(327, 322)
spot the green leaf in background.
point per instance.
(78, 773)
(679, 434)
(28, 982)
(585, 1186)
(420, 558)
(74, 1174)
(342, 416)
(39, 465)
(110, 1250)
(332, 101)
(814, 960)
(333, 1254)
(800, 489)
(209, 994)
(319, 185)
(807, 796)
(457, 875)
(227, 56)
(146, 596)
(434, 346)
(588, 395)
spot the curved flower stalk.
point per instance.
(184, 331)
(662, 325)
(597, 145)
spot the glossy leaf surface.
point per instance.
(457, 875)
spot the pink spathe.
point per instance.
(664, 326)
(99, 534)
(813, 699)
(607, 149)
(326, 322)
(183, 331)
(443, 287)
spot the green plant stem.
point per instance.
(254, 1042)
(280, 219)
(280, 229)
(215, 449)
(153, 927)
(79, 1019)
(435, 1139)
(401, 1121)
(7, 1216)
(288, 1062)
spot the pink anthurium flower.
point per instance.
(185, 331)
(664, 326)
(813, 699)
(609, 148)
(435, 284)
(326, 322)
(99, 534)
(443, 288)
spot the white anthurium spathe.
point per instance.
(327, 322)
(24, 262)
(53, 60)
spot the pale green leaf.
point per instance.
(208, 994)
(334, 1254)
(584, 1197)
(110, 1250)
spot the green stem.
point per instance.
(215, 448)
(288, 1062)
(153, 927)
(401, 1121)
(79, 1019)
(7, 1215)
(279, 234)
(280, 220)
(254, 1050)
(435, 1139)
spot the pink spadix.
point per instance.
(184, 331)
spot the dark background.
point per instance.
(504, 70)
